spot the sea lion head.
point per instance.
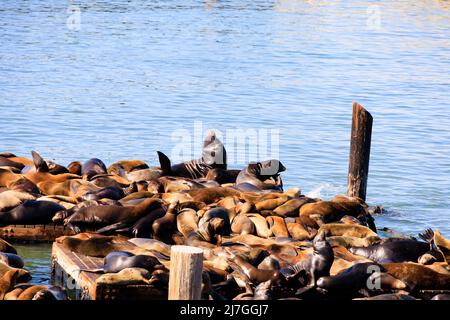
(214, 151)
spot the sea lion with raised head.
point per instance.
(214, 156)
(93, 167)
(256, 173)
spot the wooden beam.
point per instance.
(186, 266)
(360, 140)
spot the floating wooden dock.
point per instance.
(34, 233)
(82, 285)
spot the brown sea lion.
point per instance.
(7, 177)
(75, 167)
(210, 195)
(128, 276)
(11, 198)
(262, 228)
(51, 293)
(242, 224)
(7, 282)
(277, 226)
(126, 165)
(187, 221)
(300, 231)
(30, 292)
(102, 216)
(291, 208)
(348, 230)
(418, 277)
(271, 204)
(214, 156)
(164, 227)
(5, 162)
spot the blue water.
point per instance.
(118, 82)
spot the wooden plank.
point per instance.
(34, 233)
(360, 140)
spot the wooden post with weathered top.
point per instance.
(185, 278)
(358, 169)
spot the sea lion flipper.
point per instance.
(164, 162)
(39, 162)
(112, 227)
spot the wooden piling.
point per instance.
(358, 169)
(186, 266)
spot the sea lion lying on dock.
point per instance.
(31, 212)
(256, 173)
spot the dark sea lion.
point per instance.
(218, 212)
(116, 261)
(164, 227)
(93, 167)
(214, 156)
(393, 251)
(418, 277)
(102, 216)
(55, 168)
(222, 176)
(12, 260)
(319, 263)
(349, 281)
(256, 173)
(143, 227)
(113, 193)
(51, 293)
(31, 212)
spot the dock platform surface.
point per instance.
(34, 233)
(81, 285)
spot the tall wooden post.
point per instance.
(358, 169)
(186, 267)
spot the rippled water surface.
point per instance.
(118, 79)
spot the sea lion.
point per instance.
(210, 195)
(256, 173)
(116, 261)
(347, 230)
(75, 167)
(152, 245)
(144, 174)
(93, 167)
(318, 265)
(128, 276)
(142, 227)
(5, 162)
(51, 293)
(178, 184)
(291, 208)
(222, 176)
(119, 167)
(113, 193)
(417, 276)
(30, 292)
(299, 231)
(96, 245)
(30, 212)
(242, 224)
(262, 228)
(271, 204)
(214, 156)
(7, 282)
(393, 251)
(334, 210)
(164, 227)
(24, 185)
(102, 216)
(12, 260)
(349, 242)
(187, 221)
(10, 199)
(349, 281)
(277, 226)
(6, 247)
